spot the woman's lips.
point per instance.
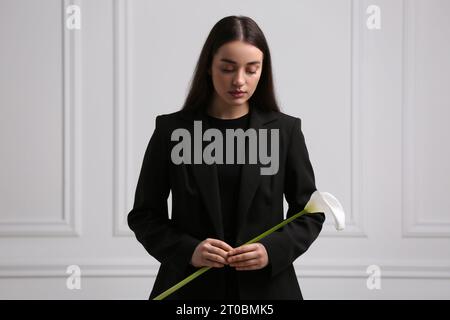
(236, 94)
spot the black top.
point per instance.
(229, 176)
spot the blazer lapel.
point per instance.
(250, 173)
(207, 175)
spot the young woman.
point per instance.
(219, 201)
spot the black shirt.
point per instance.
(229, 176)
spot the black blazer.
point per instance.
(196, 211)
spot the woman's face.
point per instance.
(236, 66)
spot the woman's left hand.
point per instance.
(248, 257)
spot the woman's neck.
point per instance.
(218, 109)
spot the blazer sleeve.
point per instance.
(286, 244)
(149, 217)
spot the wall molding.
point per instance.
(413, 225)
(355, 216)
(122, 103)
(70, 222)
(143, 268)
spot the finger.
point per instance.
(247, 263)
(220, 244)
(213, 263)
(215, 258)
(242, 249)
(243, 257)
(249, 267)
(212, 249)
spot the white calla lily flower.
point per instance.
(328, 204)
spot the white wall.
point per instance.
(77, 108)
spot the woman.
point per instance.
(219, 205)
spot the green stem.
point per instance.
(204, 269)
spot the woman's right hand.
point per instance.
(210, 253)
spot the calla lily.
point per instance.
(319, 202)
(325, 202)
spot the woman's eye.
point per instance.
(228, 71)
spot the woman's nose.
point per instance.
(239, 79)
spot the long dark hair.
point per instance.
(229, 29)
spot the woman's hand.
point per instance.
(210, 253)
(248, 257)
